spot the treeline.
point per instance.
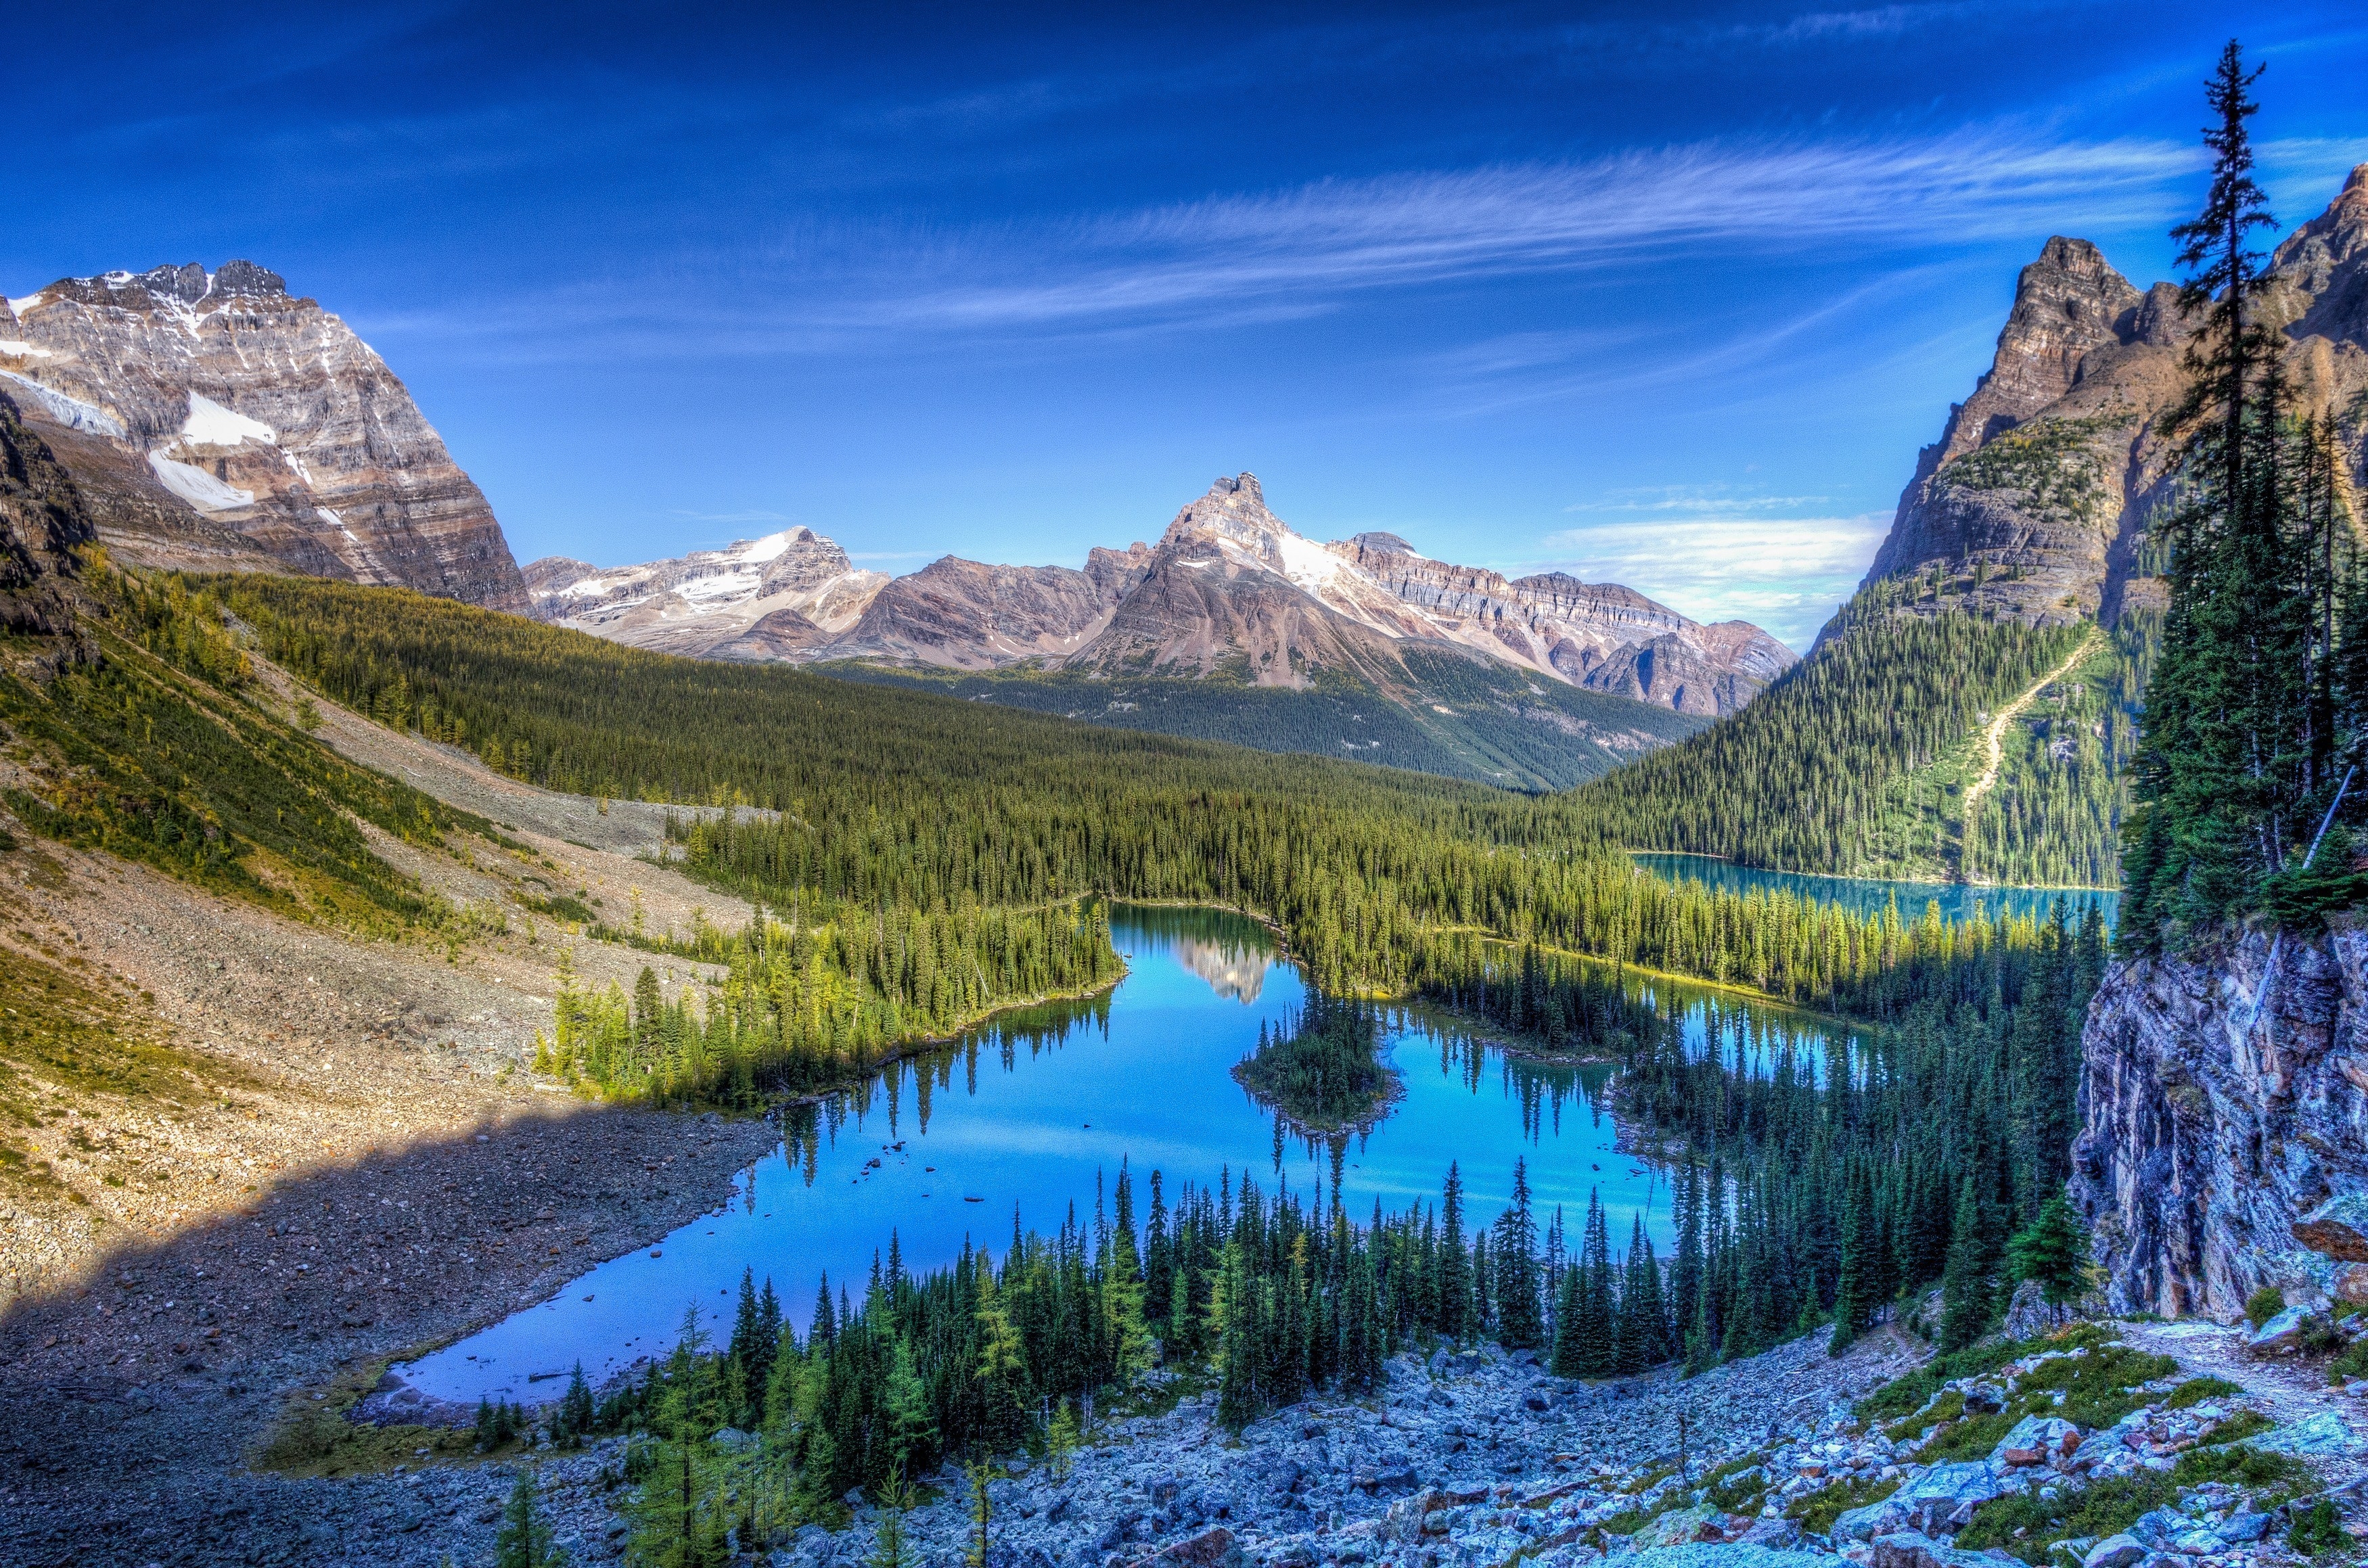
(2258, 713)
(1816, 1184)
(874, 797)
(804, 1006)
(155, 750)
(1818, 1190)
(1274, 1295)
(1817, 773)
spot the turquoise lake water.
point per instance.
(1035, 1114)
(1957, 900)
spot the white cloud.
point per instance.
(1284, 253)
(1785, 574)
(1428, 227)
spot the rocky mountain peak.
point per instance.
(1380, 543)
(1234, 508)
(2066, 303)
(2034, 502)
(2326, 260)
(213, 422)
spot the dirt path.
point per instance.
(2291, 1391)
(1993, 737)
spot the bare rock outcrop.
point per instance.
(41, 520)
(2211, 1133)
(214, 420)
(2034, 502)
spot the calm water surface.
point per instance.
(1035, 1114)
(1957, 900)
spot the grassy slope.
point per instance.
(165, 751)
(1503, 726)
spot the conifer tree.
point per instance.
(1965, 1285)
(525, 1539)
(1454, 1315)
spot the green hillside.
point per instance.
(1861, 760)
(1487, 723)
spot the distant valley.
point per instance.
(216, 422)
(1233, 626)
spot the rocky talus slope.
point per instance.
(2034, 501)
(215, 421)
(2225, 1146)
(1481, 1460)
(1228, 590)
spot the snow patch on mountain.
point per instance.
(211, 424)
(198, 487)
(70, 412)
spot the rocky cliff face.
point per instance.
(213, 420)
(966, 615)
(2221, 1150)
(2033, 503)
(41, 520)
(1229, 588)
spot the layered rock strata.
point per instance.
(2224, 1108)
(213, 420)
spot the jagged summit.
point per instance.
(2034, 501)
(215, 421)
(1229, 587)
(190, 283)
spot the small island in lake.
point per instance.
(1321, 1073)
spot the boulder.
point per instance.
(1782, 1535)
(1727, 1557)
(1404, 1521)
(2349, 1283)
(1887, 1518)
(1212, 1547)
(1683, 1526)
(2337, 1228)
(2115, 1552)
(2243, 1526)
(1912, 1549)
(2324, 1435)
(2036, 1439)
(1932, 1498)
(2283, 1332)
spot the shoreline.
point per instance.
(1391, 1094)
(1847, 877)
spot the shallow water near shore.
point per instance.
(1034, 1115)
(1958, 900)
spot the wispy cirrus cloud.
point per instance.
(1786, 574)
(1311, 248)
(1338, 235)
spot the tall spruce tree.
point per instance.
(2235, 747)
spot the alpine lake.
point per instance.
(1027, 1120)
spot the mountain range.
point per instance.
(212, 421)
(1230, 590)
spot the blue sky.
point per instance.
(1666, 295)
